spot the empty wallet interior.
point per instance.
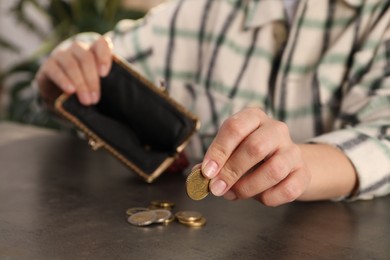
(133, 119)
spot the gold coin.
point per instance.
(197, 223)
(162, 215)
(164, 204)
(188, 216)
(197, 185)
(153, 207)
(142, 218)
(169, 220)
(132, 211)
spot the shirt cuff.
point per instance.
(368, 155)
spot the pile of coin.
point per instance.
(191, 218)
(160, 212)
(197, 185)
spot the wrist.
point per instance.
(332, 173)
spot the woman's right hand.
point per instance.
(76, 69)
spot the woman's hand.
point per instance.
(76, 69)
(254, 156)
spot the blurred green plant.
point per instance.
(66, 18)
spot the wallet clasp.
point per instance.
(94, 144)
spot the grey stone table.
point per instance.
(60, 200)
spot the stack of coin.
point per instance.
(191, 218)
(143, 218)
(162, 204)
(159, 212)
(197, 185)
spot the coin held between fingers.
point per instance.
(197, 185)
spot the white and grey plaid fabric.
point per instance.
(326, 75)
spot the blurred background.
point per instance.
(30, 29)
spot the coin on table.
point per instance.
(152, 207)
(197, 223)
(142, 218)
(132, 211)
(197, 185)
(169, 220)
(164, 204)
(188, 216)
(162, 215)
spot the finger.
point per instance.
(195, 167)
(286, 191)
(232, 132)
(260, 144)
(102, 50)
(53, 72)
(88, 65)
(267, 175)
(71, 68)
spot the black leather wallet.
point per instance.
(135, 121)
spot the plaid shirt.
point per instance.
(325, 74)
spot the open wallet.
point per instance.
(136, 121)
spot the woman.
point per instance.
(293, 95)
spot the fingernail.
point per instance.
(103, 70)
(218, 187)
(230, 195)
(70, 88)
(85, 98)
(210, 169)
(94, 97)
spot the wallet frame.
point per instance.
(96, 142)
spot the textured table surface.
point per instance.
(60, 200)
